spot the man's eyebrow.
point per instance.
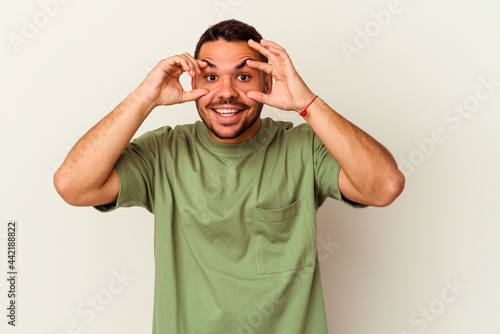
(210, 64)
(237, 67)
(242, 64)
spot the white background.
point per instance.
(385, 271)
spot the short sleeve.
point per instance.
(326, 174)
(136, 169)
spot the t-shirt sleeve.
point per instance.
(326, 172)
(136, 172)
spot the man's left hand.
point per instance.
(289, 92)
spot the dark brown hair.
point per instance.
(230, 31)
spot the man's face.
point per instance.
(231, 116)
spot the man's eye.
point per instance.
(244, 77)
(211, 77)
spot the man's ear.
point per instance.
(268, 83)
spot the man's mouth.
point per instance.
(227, 112)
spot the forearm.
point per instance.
(368, 174)
(90, 162)
(368, 165)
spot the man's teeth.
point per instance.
(226, 112)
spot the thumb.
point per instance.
(194, 94)
(259, 97)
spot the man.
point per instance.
(234, 196)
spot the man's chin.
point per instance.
(225, 133)
(235, 132)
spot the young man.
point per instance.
(234, 196)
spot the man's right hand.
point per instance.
(88, 176)
(162, 86)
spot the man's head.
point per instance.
(229, 31)
(230, 115)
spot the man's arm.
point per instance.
(88, 176)
(369, 174)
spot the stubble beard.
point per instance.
(245, 125)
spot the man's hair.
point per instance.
(230, 31)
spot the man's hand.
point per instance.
(162, 86)
(88, 176)
(369, 174)
(289, 91)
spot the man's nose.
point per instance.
(226, 89)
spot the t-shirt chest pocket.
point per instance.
(284, 238)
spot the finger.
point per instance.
(184, 62)
(169, 66)
(274, 45)
(197, 64)
(271, 50)
(266, 67)
(259, 47)
(259, 96)
(202, 63)
(194, 94)
(174, 66)
(191, 65)
(275, 49)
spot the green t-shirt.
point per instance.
(235, 227)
